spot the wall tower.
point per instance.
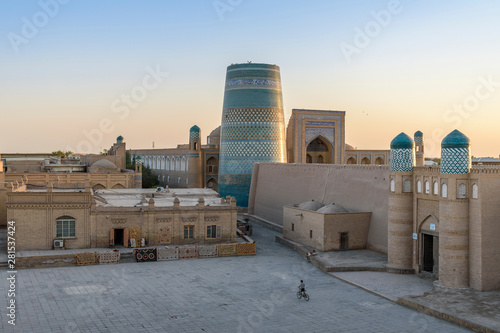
(400, 224)
(454, 211)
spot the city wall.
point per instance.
(358, 188)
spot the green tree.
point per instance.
(62, 154)
(149, 178)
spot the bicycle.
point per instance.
(301, 294)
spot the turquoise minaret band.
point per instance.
(252, 126)
(402, 153)
(455, 153)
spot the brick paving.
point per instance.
(230, 294)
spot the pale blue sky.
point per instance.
(418, 69)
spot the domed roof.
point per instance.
(104, 164)
(215, 132)
(333, 208)
(194, 129)
(311, 205)
(348, 147)
(455, 139)
(418, 134)
(120, 138)
(402, 141)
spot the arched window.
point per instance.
(351, 160)
(65, 227)
(320, 159)
(365, 160)
(178, 163)
(444, 190)
(462, 191)
(183, 164)
(167, 163)
(419, 186)
(308, 158)
(436, 188)
(475, 191)
(406, 186)
(393, 185)
(379, 161)
(427, 187)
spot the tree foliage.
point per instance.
(149, 178)
(62, 154)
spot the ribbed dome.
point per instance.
(402, 141)
(333, 208)
(194, 129)
(104, 164)
(311, 205)
(455, 139)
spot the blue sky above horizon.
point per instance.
(424, 69)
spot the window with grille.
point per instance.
(65, 227)
(213, 231)
(188, 231)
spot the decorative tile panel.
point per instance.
(401, 159)
(455, 160)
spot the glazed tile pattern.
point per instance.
(325, 132)
(252, 126)
(455, 160)
(401, 159)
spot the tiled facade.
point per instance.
(252, 126)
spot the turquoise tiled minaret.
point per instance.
(402, 153)
(252, 126)
(455, 153)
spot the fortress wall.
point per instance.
(359, 188)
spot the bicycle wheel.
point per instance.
(306, 297)
(299, 295)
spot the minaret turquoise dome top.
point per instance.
(455, 139)
(402, 141)
(418, 136)
(194, 132)
(455, 154)
(119, 139)
(402, 153)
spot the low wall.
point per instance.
(358, 188)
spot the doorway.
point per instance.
(118, 237)
(344, 241)
(430, 253)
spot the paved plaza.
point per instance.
(232, 294)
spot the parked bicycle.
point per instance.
(301, 294)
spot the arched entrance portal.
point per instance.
(212, 184)
(319, 150)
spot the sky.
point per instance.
(76, 74)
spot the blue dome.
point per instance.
(402, 141)
(194, 129)
(119, 139)
(418, 134)
(455, 139)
